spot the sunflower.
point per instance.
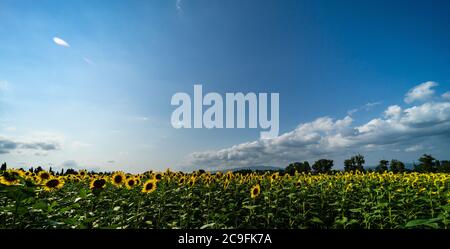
(98, 183)
(225, 184)
(118, 178)
(44, 175)
(82, 173)
(157, 176)
(53, 184)
(9, 179)
(192, 181)
(130, 182)
(255, 191)
(274, 177)
(229, 175)
(149, 186)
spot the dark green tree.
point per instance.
(322, 166)
(444, 166)
(382, 166)
(427, 164)
(397, 166)
(355, 163)
(3, 166)
(297, 167)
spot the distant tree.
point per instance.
(70, 172)
(304, 167)
(38, 169)
(297, 167)
(427, 164)
(3, 167)
(348, 165)
(322, 166)
(444, 166)
(397, 166)
(243, 171)
(354, 163)
(382, 166)
(31, 170)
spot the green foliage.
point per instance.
(322, 166)
(341, 200)
(397, 166)
(382, 166)
(297, 167)
(355, 163)
(427, 164)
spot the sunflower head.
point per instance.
(192, 181)
(98, 184)
(44, 175)
(158, 176)
(53, 183)
(9, 178)
(149, 186)
(118, 178)
(274, 176)
(130, 182)
(255, 191)
(225, 184)
(82, 173)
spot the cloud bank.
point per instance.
(396, 128)
(8, 145)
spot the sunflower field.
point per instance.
(168, 200)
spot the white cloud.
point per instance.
(88, 61)
(420, 92)
(396, 129)
(60, 42)
(179, 6)
(393, 111)
(414, 148)
(446, 95)
(366, 107)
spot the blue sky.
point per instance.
(104, 101)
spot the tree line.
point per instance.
(427, 164)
